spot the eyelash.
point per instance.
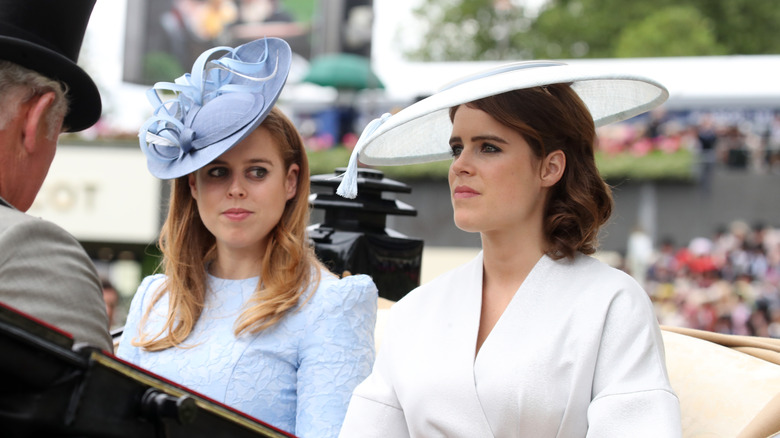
(254, 172)
(216, 172)
(261, 170)
(456, 150)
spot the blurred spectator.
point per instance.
(736, 139)
(639, 254)
(729, 283)
(111, 297)
(773, 144)
(708, 138)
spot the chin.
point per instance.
(467, 225)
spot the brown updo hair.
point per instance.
(551, 118)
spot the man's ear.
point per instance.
(34, 120)
(553, 166)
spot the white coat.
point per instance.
(577, 353)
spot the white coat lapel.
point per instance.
(471, 309)
(501, 349)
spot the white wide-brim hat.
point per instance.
(215, 106)
(420, 132)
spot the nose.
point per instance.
(236, 189)
(461, 165)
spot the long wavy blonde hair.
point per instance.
(289, 266)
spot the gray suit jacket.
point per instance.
(45, 273)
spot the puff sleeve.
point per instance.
(336, 353)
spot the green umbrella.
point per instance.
(344, 71)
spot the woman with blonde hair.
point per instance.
(244, 313)
(533, 337)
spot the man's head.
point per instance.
(42, 89)
(32, 108)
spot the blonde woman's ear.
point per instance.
(292, 181)
(193, 185)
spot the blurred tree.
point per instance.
(747, 27)
(459, 30)
(685, 32)
(470, 30)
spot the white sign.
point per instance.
(101, 194)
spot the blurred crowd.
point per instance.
(727, 283)
(737, 139)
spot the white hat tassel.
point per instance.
(348, 187)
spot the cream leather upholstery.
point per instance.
(722, 390)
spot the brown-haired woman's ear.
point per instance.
(553, 166)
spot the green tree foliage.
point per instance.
(588, 28)
(683, 31)
(746, 27)
(470, 30)
(462, 30)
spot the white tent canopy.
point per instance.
(693, 82)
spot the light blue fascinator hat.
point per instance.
(420, 132)
(214, 107)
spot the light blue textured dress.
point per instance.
(297, 375)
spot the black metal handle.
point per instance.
(156, 406)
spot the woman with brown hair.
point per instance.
(534, 337)
(244, 313)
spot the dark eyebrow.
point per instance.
(488, 138)
(480, 138)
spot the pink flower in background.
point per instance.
(349, 140)
(613, 139)
(320, 142)
(669, 144)
(610, 145)
(642, 147)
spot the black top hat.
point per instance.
(45, 36)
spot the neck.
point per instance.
(236, 264)
(8, 165)
(509, 256)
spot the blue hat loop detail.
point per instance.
(185, 139)
(214, 105)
